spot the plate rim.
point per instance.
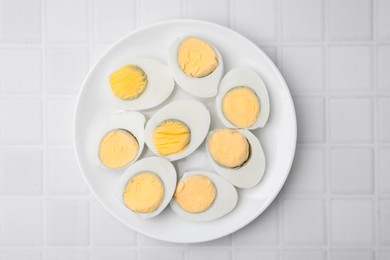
(273, 67)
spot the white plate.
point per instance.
(278, 137)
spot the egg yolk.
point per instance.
(196, 58)
(117, 148)
(195, 193)
(144, 193)
(241, 107)
(228, 147)
(171, 137)
(128, 82)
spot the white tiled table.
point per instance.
(335, 56)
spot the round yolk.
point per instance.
(228, 147)
(144, 193)
(117, 148)
(241, 107)
(128, 82)
(171, 137)
(195, 193)
(196, 58)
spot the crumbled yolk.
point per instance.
(171, 137)
(228, 147)
(144, 193)
(195, 193)
(196, 57)
(117, 148)
(241, 107)
(128, 82)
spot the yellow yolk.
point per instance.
(144, 193)
(195, 193)
(170, 137)
(228, 147)
(128, 82)
(241, 107)
(196, 58)
(117, 148)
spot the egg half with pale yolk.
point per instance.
(203, 196)
(196, 65)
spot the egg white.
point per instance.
(159, 87)
(162, 168)
(244, 77)
(133, 122)
(204, 87)
(225, 200)
(193, 113)
(251, 172)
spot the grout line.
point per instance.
(327, 179)
(375, 176)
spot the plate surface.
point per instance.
(278, 137)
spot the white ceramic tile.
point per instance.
(155, 10)
(217, 11)
(349, 71)
(114, 253)
(20, 21)
(303, 69)
(352, 222)
(22, 71)
(384, 255)
(161, 254)
(21, 222)
(151, 242)
(21, 171)
(383, 170)
(64, 176)
(255, 254)
(21, 254)
(21, 121)
(108, 231)
(383, 66)
(66, 70)
(67, 253)
(304, 254)
(350, 20)
(307, 175)
(310, 119)
(263, 230)
(351, 120)
(66, 21)
(60, 113)
(303, 20)
(98, 52)
(224, 241)
(304, 221)
(383, 19)
(352, 170)
(384, 119)
(384, 222)
(201, 254)
(255, 19)
(355, 255)
(271, 52)
(113, 20)
(67, 222)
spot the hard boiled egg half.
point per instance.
(203, 196)
(147, 186)
(242, 100)
(177, 129)
(119, 141)
(139, 83)
(237, 156)
(196, 65)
